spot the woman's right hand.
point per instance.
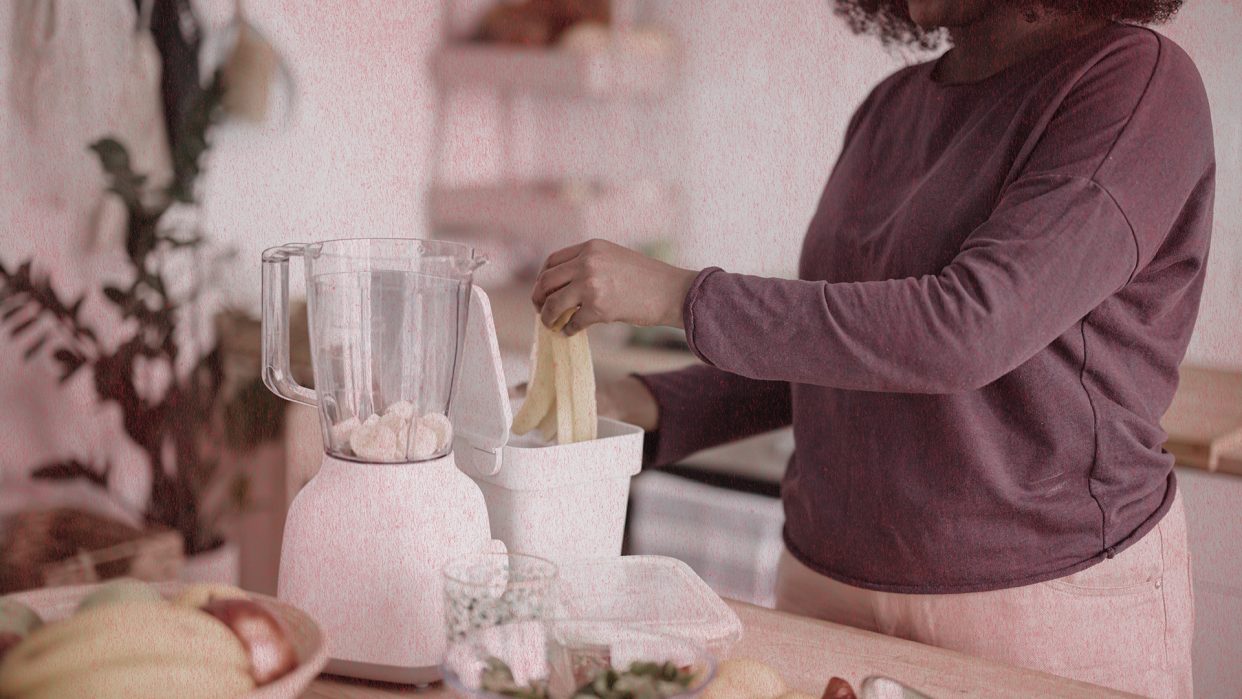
(625, 399)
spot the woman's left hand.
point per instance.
(608, 284)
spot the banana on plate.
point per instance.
(560, 397)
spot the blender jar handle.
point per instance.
(275, 324)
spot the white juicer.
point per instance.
(401, 339)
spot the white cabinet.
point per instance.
(619, 72)
(732, 540)
(1213, 504)
(558, 214)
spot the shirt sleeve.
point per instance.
(702, 407)
(1056, 245)
(1053, 250)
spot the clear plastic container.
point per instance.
(655, 593)
(558, 657)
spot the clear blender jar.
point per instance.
(387, 320)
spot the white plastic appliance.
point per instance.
(400, 337)
(560, 502)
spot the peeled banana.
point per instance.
(129, 649)
(560, 398)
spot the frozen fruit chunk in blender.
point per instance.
(402, 409)
(342, 430)
(395, 435)
(440, 425)
(398, 425)
(423, 442)
(373, 441)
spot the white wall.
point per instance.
(353, 161)
(769, 89)
(1211, 32)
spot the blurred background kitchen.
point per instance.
(701, 132)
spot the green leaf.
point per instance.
(116, 163)
(204, 111)
(12, 312)
(66, 356)
(156, 283)
(34, 348)
(142, 237)
(112, 155)
(118, 297)
(24, 326)
(72, 470)
(70, 362)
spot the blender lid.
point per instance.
(481, 412)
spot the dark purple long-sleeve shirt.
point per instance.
(993, 298)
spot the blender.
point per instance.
(365, 540)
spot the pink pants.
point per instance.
(1125, 623)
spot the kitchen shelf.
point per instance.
(558, 215)
(615, 71)
(607, 82)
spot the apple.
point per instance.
(272, 654)
(839, 689)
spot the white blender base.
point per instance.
(363, 551)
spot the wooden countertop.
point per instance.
(808, 652)
(1204, 422)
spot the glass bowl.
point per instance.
(557, 659)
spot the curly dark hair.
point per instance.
(890, 19)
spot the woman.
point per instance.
(993, 299)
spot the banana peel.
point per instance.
(560, 397)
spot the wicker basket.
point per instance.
(64, 546)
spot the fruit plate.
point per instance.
(55, 603)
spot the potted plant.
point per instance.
(191, 430)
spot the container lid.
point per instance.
(481, 413)
(656, 593)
